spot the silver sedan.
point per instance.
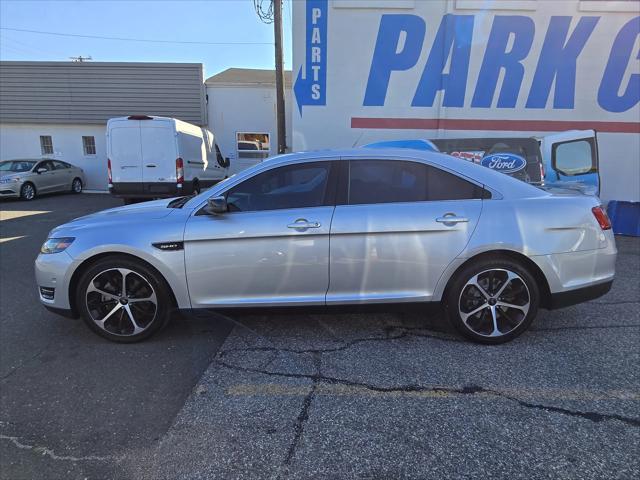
(335, 228)
(30, 177)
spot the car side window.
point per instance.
(60, 166)
(293, 186)
(46, 164)
(392, 181)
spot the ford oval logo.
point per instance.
(504, 162)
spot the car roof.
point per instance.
(506, 185)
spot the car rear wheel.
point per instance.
(28, 191)
(76, 185)
(123, 300)
(492, 301)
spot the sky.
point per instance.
(229, 21)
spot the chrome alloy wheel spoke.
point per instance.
(123, 287)
(503, 293)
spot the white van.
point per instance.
(152, 157)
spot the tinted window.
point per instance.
(48, 165)
(294, 186)
(389, 181)
(60, 165)
(574, 158)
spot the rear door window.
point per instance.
(392, 181)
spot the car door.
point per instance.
(401, 223)
(572, 157)
(271, 247)
(61, 175)
(45, 181)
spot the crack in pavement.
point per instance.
(303, 416)
(465, 390)
(406, 334)
(44, 451)
(25, 363)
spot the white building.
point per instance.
(396, 69)
(60, 109)
(242, 113)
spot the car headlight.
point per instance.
(56, 245)
(9, 180)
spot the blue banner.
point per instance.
(311, 89)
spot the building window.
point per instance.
(46, 145)
(253, 145)
(89, 145)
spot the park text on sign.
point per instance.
(310, 86)
(400, 41)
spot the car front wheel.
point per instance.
(28, 191)
(123, 300)
(492, 301)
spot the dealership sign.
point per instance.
(560, 52)
(504, 162)
(310, 86)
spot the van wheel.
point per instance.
(123, 300)
(129, 201)
(196, 187)
(76, 185)
(492, 301)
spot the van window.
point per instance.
(391, 181)
(575, 157)
(253, 145)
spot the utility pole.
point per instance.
(277, 33)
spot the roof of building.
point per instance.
(247, 76)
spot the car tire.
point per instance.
(28, 191)
(492, 301)
(76, 185)
(128, 316)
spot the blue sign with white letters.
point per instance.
(504, 162)
(310, 89)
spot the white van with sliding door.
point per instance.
(154, 157)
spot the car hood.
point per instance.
(134, 214)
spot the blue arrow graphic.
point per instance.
(310, 89)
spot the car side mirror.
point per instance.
(217, 205)
(41, 170)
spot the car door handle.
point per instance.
(151, 165)
(451, 219)
(302, 224)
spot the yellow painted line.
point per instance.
(274, 389)
(8, 239)
(12, 214)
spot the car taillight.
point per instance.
(109, 172)
(179, 172)
(601, 217)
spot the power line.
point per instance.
(127, 39)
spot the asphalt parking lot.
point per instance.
(315, 396)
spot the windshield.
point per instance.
(16, 166)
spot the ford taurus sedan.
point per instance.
(27, 178)
(336, 228)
